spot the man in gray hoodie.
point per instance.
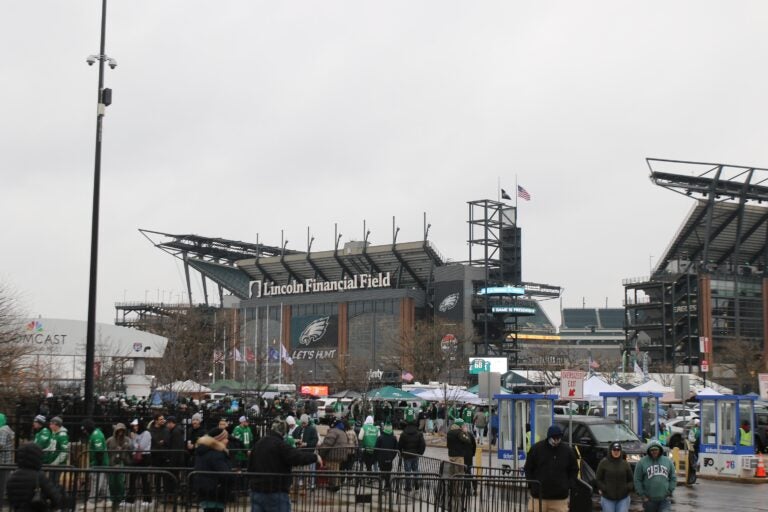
(6, 454)
(655, 479)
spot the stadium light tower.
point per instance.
(104, 99)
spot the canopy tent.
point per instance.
(226, 386)
(347, 393)
(185, 386)
(708, 392)
(476, 389)
(653, 387)
(450, 395)
(390, 393)
(594, 385)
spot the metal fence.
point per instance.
(102, 489)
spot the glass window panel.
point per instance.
(728, 427)
(708, 422)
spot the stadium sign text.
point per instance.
(359, 282)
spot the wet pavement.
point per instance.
(705, 495)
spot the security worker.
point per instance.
(745, 434)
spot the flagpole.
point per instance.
(498, 188)
(214, 348)
(224, 362)
(281, 342)
(266, 381)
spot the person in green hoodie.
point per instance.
(655, 479)
(97, 457)
(614, 480)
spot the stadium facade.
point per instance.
(703, 307)
(353, 305)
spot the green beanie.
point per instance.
(2, 420)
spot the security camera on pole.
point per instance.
(104, 99)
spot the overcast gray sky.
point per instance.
(233, 118)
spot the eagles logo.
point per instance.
(449, 302)
(314, 330)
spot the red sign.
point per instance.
(314, 390)
(704, 366)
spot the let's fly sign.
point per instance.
(572, 385)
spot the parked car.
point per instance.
(678, 430)
(593, 435)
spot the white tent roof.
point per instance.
(594, 385)
(452, 395)
(708, 392)
(653, 386)
(185, 386)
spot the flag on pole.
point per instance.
(249, 355)
(593, 365)
(274, 355)
(523, 194)
(285, 356)
(407, 376)
(504, 194)
(639, 371)
(236, 355)
(218, 356)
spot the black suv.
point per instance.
(593, 436)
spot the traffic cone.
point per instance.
(760, 471)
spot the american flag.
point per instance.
(523, 194)
(218, 356)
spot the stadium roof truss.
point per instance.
(728, 224)
(233, 265)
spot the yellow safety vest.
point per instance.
(745, 437)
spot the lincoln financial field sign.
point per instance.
(359, 282)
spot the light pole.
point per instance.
(104, 99)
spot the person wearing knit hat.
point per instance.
(43, 436)
(212, 463)
(552, 464)
(458, 443)
(60, 442)
(367, 437)
(615, 480)
(194, 432)
(7, 437)
(244, 436)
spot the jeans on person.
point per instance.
(662, 505)
(270, 502)
(411, 466)
(621, 505)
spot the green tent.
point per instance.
(476, 390)
(390, 393)
(226, 386)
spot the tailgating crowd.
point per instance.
(215, 454)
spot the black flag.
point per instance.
(504, 194)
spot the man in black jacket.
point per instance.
(273, 456)
(553, 468)
(411, 444)
(23, 481)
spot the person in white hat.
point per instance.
(244, 436)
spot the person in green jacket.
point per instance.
(244, 435)
(368, 436)
(97, 457)
(60, 439)
(614, 480)
(655, 479)
(43, 435)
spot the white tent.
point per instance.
(185, 386)
(708, 392)
(653, 387)
(594, 385)
(451, 395)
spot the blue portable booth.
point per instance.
(725, 448)
(638, 409)
(523, 420)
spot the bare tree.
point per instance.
(431, 351)
(742, 362)
(20, 371)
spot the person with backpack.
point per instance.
(368, 436)
(28, 489)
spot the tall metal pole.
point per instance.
(90, 338)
